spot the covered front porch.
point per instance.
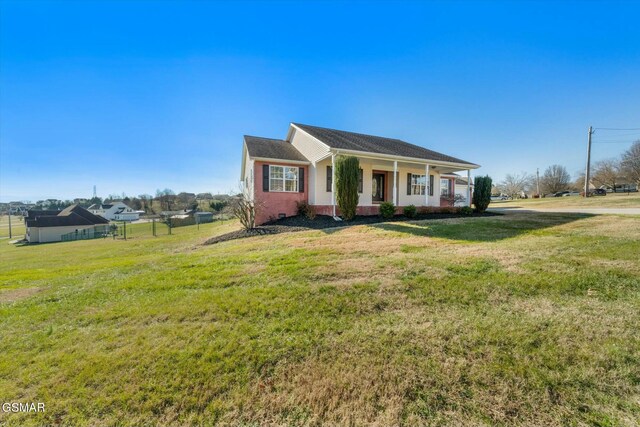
(402, 182)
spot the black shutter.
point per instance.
(265, 178)
(431, 185)
(301, 180)
(329, 178)
(408, 184)
(360, 178)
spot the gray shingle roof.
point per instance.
(272, 149)
(73, 215)
(340, 139)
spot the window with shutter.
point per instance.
(283, 179)
(301, 180)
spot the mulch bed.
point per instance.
(321, 222)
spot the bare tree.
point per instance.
(245, 208)
(607, 173)
(631, 163)
(145, 201)
(555, 178)
(515, 184)
(166, 197)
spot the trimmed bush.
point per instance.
(466, 210)
(410, 211)
(387, 210)
(347, 176)
(482, 192)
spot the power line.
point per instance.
(613, 142)
(616, 129)
(627, 134)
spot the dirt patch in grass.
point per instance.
(13, 295)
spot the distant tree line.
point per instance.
(164, 200)
(608, 173)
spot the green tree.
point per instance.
(218, 205)
(482, 192)
(347, 176)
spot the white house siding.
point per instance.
(126, 217)
(320, 195)
(52, 234)
(461, 189)
(417, 200)
(309, 146)
(323, 197)
(247, 179)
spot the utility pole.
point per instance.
(10, 220)
(538, 181)
(587, 176)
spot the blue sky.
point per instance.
(138, 96)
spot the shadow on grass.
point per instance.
(484, 229)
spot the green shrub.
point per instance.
(466, 210)
(387, 210)
(410, 211)
(347, 175)
(482, 192)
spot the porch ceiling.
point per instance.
(387, 165)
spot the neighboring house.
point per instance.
(51, 226)
(116, 211)
(461, 191)
(180, 214)
(279, 173)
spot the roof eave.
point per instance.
(269, 159)
(405, 159)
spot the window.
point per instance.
(445, 187)
(418, 185)
(283, 178)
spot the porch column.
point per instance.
(333, 183)
(469, 187)
(395, 177)
(426, 185)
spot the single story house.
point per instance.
(278, 173)
(116, 211)
(48, 226)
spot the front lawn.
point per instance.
(611, 200)
(521, 319)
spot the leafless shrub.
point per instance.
(245, 208)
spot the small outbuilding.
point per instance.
(74, 222)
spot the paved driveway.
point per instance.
(593, 211)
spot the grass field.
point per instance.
(611, 200)
(513, 320)
(17, 226)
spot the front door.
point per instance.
(377, 190)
